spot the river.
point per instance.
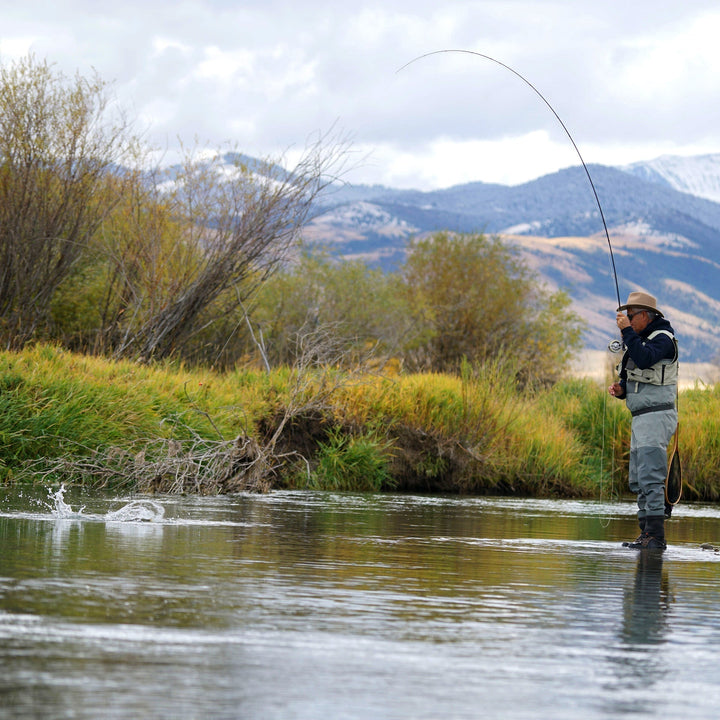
(303, 605)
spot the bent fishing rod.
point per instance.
(562, 124)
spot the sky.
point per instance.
(631, 80)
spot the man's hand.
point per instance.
(615, 390)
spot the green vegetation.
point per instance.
(168, 332)
(700, 442)
(476, 300)
(87, 420)
(456, 299)
(352, 462)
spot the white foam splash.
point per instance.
(138, 511)
(135, 511)
(59, 507)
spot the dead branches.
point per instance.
(237, 222)
(171, 466)
(251, 462)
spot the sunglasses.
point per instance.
(630, 317)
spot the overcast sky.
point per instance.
(631, 79)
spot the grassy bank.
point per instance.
(82, 419)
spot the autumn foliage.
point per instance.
(104, 252)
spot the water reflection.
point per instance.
(640, 660)
(647, 603)
(307, 605)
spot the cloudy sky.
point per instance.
(631, 79)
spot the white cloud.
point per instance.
(445, 161)
(14, 48)
(161, 44)
(674, 61)
(628, 79)
(226, 66)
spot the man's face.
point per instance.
(639, 319)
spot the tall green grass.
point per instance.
(473, 433)
(348, 462)
(55, 403)
(699, 442)
(600, 424)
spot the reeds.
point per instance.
(171, 429)
(359, 463)
(600, 424)
(58, 404)
(699, 442)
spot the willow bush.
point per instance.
(473, 297)
(61, 144)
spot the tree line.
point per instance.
(106, 252)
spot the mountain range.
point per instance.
(662, 217)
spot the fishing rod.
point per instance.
(615, 345)
(562, 124)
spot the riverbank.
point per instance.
(87, 420)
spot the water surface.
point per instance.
(317, 605)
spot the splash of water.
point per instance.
(58, 505)
(134, 511)
(138, 511)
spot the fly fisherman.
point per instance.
(648, 384)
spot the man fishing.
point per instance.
(648, 384)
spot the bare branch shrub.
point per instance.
(234, 226)
(57, 144)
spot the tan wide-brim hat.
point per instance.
(641, 300)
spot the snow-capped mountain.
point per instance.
(698, 175)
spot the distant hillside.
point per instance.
(553, 206)
(665, 240)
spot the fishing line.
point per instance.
(616, 345)
(562, 124)
(605, 521)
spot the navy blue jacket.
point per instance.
(646, 352)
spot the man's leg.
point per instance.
(652, 433)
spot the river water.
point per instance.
(300, 605)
